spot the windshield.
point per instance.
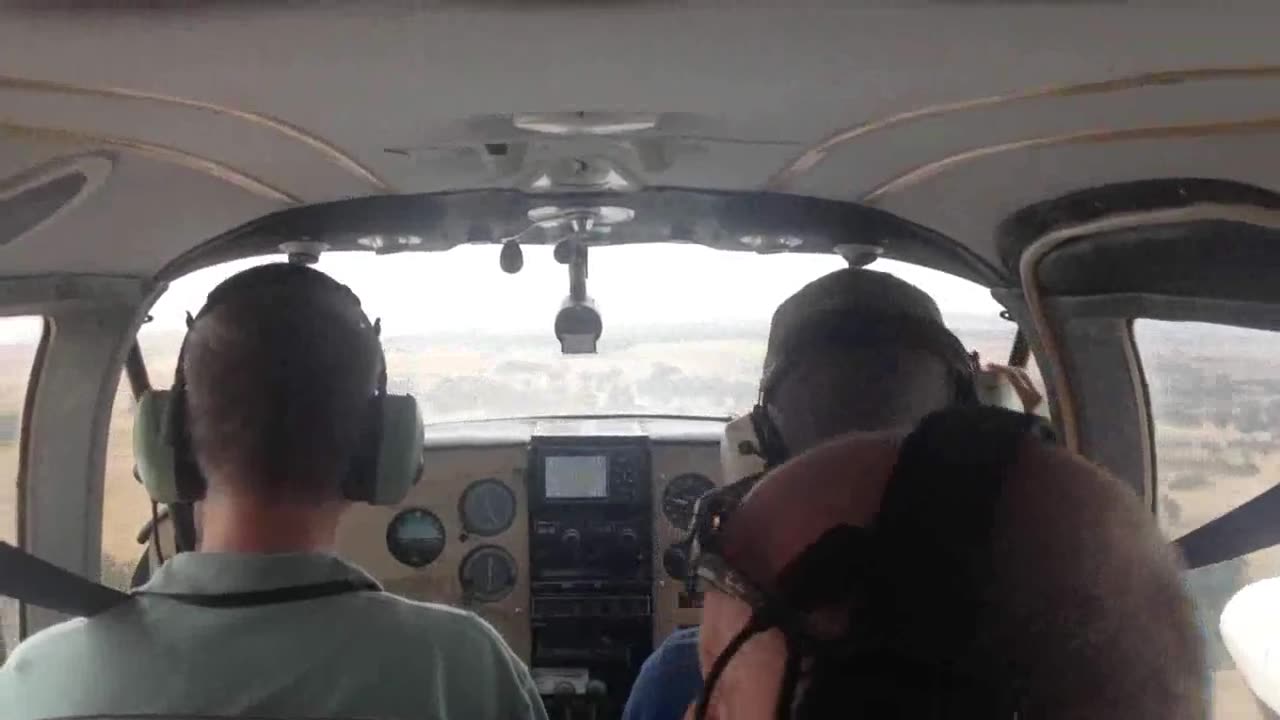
(684, 326)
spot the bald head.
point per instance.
(1083, 600)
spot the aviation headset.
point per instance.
(752, 443)
(914, 583)
(387, 462)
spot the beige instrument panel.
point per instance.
(671, 609)
(448, 472)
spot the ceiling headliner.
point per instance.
(950, 115)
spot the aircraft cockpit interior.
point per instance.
(575, 399)
(570, 226)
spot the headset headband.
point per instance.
(841, 330)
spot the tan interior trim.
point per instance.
(1029, 265)
(212, 168)
(1133, 363)
(329, 150)
(23, 478)
(1264, 125)
(813, 156)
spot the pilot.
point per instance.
(968, 570)
(853, 350)
(264, 620)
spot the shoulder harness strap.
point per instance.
(28, 579)
(936, 520)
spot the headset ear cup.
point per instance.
(156, 449)
(967, 391)
(740, 454)
(152, 451)
(390, 459)
(188, 479)
(769, 438)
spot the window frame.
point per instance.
(22, 480)
(90, 323)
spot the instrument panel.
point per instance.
(481, 560)
(559, 534)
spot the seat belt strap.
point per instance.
(30, 580)
(936, 518)
(37, 582)
(1251, 526)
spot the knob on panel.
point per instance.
(681, 495)
(676, 562)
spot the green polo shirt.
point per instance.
(356, 655)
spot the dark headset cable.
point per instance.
(155, 532)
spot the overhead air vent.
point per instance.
(34, 197)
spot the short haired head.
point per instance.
(1083, 612)
(279, 371)
(857, 350)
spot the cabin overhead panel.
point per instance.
(950, 115)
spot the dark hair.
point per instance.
(279, 382)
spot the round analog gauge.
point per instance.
(487, 507)
(415, 537)
(488, 574)
(680, 496)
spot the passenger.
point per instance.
(1036, 587)
(279, 377)
(853, 350)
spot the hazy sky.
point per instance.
(640, 284)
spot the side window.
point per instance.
(19, 338)
(1215, 404)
